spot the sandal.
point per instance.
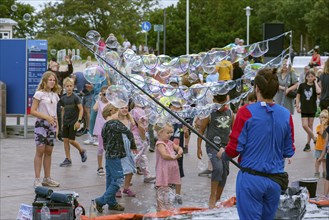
(100, 171)
(139, 171)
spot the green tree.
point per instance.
(317, 21)
(24, 28)
(120, 17)
(215, 23)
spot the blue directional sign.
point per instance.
(146, 26)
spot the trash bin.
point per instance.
(3, 106)
(310, 184)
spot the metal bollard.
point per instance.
(3, 106)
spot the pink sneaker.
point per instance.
(129, 193)
(118, 194)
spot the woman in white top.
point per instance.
(44, 108)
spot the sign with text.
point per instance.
(36, 66)
(158, 27)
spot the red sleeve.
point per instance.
(242, 116)
(292, 132)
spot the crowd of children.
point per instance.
(123, 134)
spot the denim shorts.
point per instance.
(44, 133)
(220, 167)
(317, 154)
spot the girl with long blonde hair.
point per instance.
(44, 107)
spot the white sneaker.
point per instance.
(37, 182)
(89, 141)
(95, 143)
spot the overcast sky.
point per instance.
(36, 3)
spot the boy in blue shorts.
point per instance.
(72, 112)
(217, 127)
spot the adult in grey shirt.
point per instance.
(287, 82)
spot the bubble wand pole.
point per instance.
(213, 145)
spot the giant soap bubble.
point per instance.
(163, 62)
(251, 70)
(129, 56)
(76, 61)
(217, 54)
(53, 52)
(165, 198)
(27, 17)
(196, 60)
(151, 115)
(117, 96)
(13, 7)
(94, 74)
(258, 49)
(60, 18)
(209, 68)
(93, 36)
(150, 61)
(217, 140)
(112, 57)
(198, 91)
(179, 65)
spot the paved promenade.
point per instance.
(17, 175)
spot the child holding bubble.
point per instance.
(72, 112)
(166, 166)
(43, 108)
(99, 123)
(217, 127)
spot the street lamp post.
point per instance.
(164, 31)
(248, 10)
(187, 26)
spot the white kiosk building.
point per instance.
(6, 28)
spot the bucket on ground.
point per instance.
(310, 184)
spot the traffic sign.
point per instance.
(158, 27)
(146, 26)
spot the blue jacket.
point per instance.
(263, 135)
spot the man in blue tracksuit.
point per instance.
(263, 136)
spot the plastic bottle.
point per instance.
(45, 212)
(92, 209)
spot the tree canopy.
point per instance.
(24, 28)
(213, 23)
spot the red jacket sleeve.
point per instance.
(242, 116)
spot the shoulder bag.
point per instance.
(292, 94)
